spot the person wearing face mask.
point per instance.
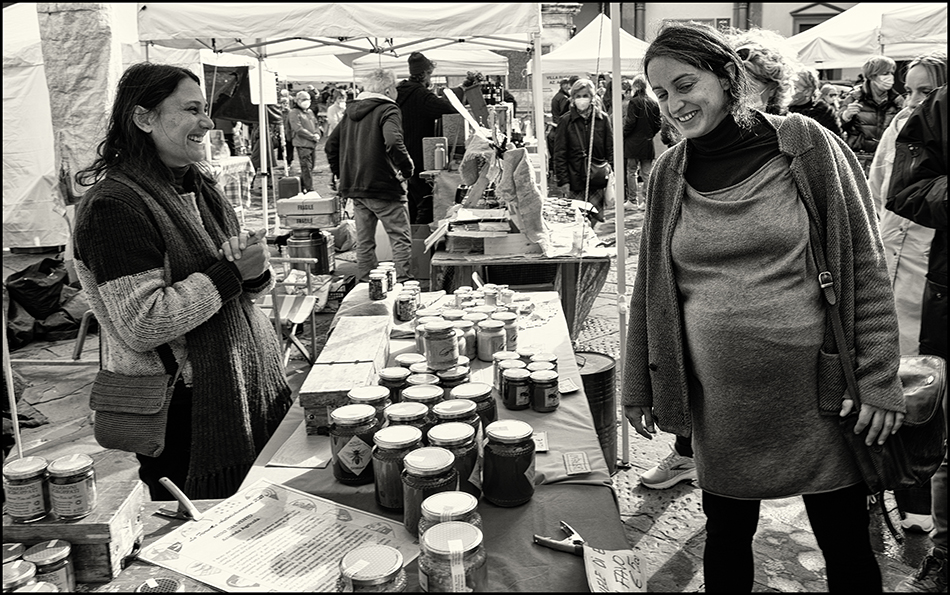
(575, 156)
(303, 127)
(869, 108)
(336, 110)
(804, 101)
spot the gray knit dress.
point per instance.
(754, 322)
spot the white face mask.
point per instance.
(582, 103)
(304, 104)
(885, 81)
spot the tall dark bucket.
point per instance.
(597, 374)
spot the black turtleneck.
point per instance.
(178, 174)
(729, 154)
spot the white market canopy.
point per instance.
(898, 30)
(447, 62)
(589, 51)
(310, 68)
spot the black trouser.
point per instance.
(173, 461)
(420, 200)
(839, 520)
(683, 446)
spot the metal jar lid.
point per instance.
(397, 436)
(454, 408)
(454, 373)
(419, 368)
(464, 324)
(491, 324)
(48, 552)
(405, 411)
(486, 310)
(463, 360)
(25, 468)
(12, 551)
(538, 366)
(407, 359)
(544, 376)
(371, 565)
(429, 460)
(527, 351)
(422, 321)
(418, 379)
(464, 289)
(439, 326)
(516, 374)
(504, 355)
(511, 364)
(17, 573)
(428, 313)
(411, 283)
(544, 357)
(448, 505)
(509, 431)
(368, 394)
(451, 433)
(453, 314)
(436, 540)
(395, 372)
(506, 316)
(476, 391)
(475, 317)
(353, 415)
(422, 393)
(70, 465)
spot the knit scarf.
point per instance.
(240, 393)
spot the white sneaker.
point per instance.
(917, 523)
(669, 472)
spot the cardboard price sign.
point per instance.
(616, 571)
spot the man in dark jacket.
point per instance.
(641, 124)
(561, 101)
(919, 192)
(420, 107)
(367, 153)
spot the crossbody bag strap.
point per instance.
(827, 283)
(168, 360)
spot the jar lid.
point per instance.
(407, 359)
(387, 264)
(396, 372)
(47, 552)
(544, 357)
(503, 355)
(405, 296)
(516, 374)
(544, 376)
(487, 310)
(454, 408)
(453, 433)
(476, 391)
(464, 289)
(417, 379)
(405, 411)
(510, 364)
(12, 551)
(505, 315)
(438, 539)
(368, 394)
(70, 465)
(475, 317)
(419, 368)
(429, 460)
(421, 321)
(454, 373)
(379, 275)
(448, 504)
(439, 326)
(463, 360)
(411, 283)
(428, 313)
(464, 324)
(353, 415)
(25, 468)
(538, 366)
(397, 436)
(371, 565)
(16, 573)
(422, 393)
(526, 352)
(491, 324)
(509, 431)
(38, 587)
(453, 313)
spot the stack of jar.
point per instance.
(45, 567)
(33, 488)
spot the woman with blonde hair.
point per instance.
(805, 102)
(868, 109)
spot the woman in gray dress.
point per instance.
(728, 337)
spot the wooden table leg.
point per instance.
(568, 290)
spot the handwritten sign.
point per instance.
(616, 571)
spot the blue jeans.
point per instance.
(395, 217)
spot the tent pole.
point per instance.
(262, 131)
(8, 378)
(537, 93)
(617, 90)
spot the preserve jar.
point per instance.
(54, 564)
(71, 482)
(480, 393)
(18, 573)
(389, 268)
(24, 486)
(420, 380)
(427, 394)
(453, 314)
(468, 336)
(394, 379)
(453, 559)
(416, 415)
(462, 294)
(511, 328)
(377, 286)
(449, 506)
(453, 377)
(475, 318)
(459, 439)
(428, 470)
(393, 443)
(516, 389)
(12, 551)
(351, 443)
(441, 345)
(505, 296)
(407, 359)
(405, 307)
(545, 357)
(508, 466)
(463, 410)
(491, 297)
(420, 368)
(538, 366)
(526, 352)
(373, 395)
(421, 322)
(497, 357)
(380, 271)
(491, 338)
(373, 568)
(500, 369)
(427, 313)
(545, 394)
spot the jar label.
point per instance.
(511, 338)
(59, 577)
(457, 564)
(440, 352)
(25, 500)
(423, 579)
(523, 396)
(356, 455)
(72, 499)
(551, 396)
(530, 472)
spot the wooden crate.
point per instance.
(100, 541)
(511, 244)
(357, 349)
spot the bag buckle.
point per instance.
(825, 280)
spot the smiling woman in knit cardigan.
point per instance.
(728, 339)
(160, 253)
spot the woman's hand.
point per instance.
(642, 420)
(248, 251)
(850, 111)
(233, 248)
(880, 423)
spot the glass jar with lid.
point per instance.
(459, 439)
(538, 366)
(453, 377)
(419, 331)
(485, 309)
(12, 551)
(545, 394)
(377, 286)
(449, 506)
(419, 380)
(480, 393)
(511, 328)
(525, 352)
(18, 573)
(419, 368)
(497, 357)
(394, 379)
(500, 369)
(453, 314)
(416, 415)
(427, 313)
(462, 410)
(389, 268)
(491, 338)
(407, 359)
(373, 395)
(468, 336)
(405, 306)
(428, 470)
(462, 294)
(373, 568)
(24, 486)
(545, 357)
(427, 394)
(53, 563)
(475, 317)
(71, 482)
(516, 389)
(491, 297)
(453, 559)
(393, 443)
(351, 443)
(508, 469)
(441, 344)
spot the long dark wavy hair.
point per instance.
(705, 48)
(145, 84)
